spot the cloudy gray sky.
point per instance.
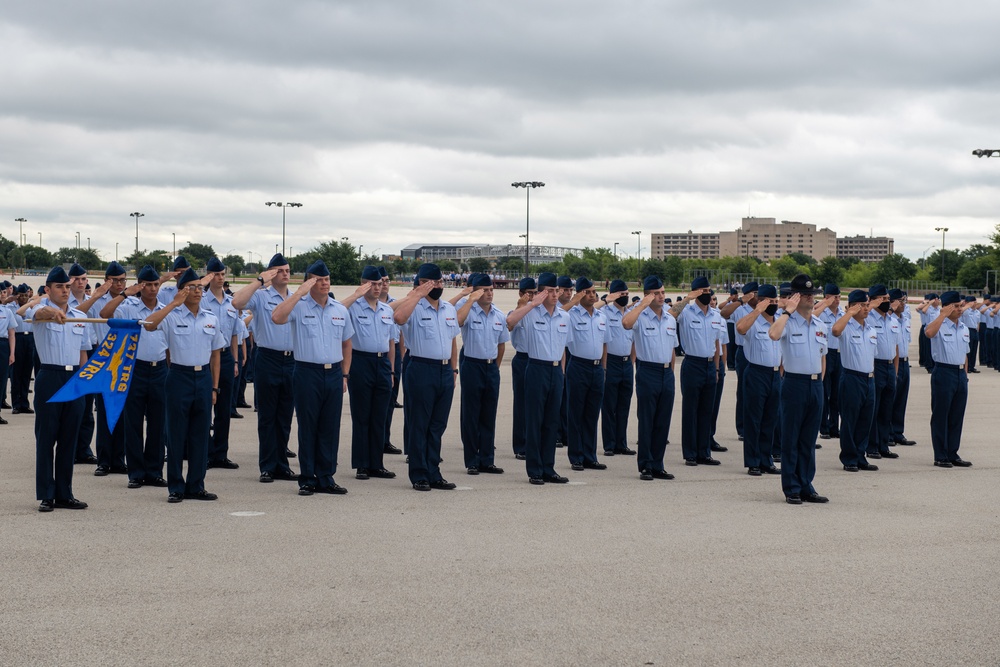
(403, 121)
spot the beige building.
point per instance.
(685, 246)
(865, 248)
(767, 239)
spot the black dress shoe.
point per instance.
(235, 415)
(960, 463)
(594, 465)
(776, 458)
(793, 499)
(902, 440)
(874, 455)
(2, 421)
(306, 491)
(609, 452)
(201, 495)
(224, 463)
(443, 485)
(46, 505)
(819, 446)
(625, 452)
(135, 484)
(538, 481)
(5, 405)
(578, 467)
(867, 466)
(389, 448)
(397, 405)
(289, 454)
(22, 411)
(381, 473)
(834, 435)
(814, 498)
(175, 497)
(709, 461)
(890, 455)
(943, 464)
(851, 468)
(716, 447)
(560, 444)
(770, 470)
(155, 481)
(472, 471)
(555, 479)
(491, 469)
(102, 471)
(421, 486)
(824, 436)
(740, 438)
(362, 473)
(754, 471)
(266, 477)
(285, 474)
(70, 504)
(243, 404)
(646, 475)
(690, 462)
(119, 470)
(662, 474)
(520, 457)
(333, 489)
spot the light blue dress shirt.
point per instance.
(429, 331)
(223, 311)
(266, 332)
(886, 332)
(619, 338)
(758, 346)
(60, 344)
(857, 346)
(100, 328)
(192, 339)
(698, 331)
(167, 293)
(829, 319)
(803, 345)
(738, 315)
(655, 337)
(545, 336)
(319, 331)
(904, 336)
(373, 327)
(483, 332)
(950, 345)
(152, 344)
(588, 334)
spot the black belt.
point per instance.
(883, 361)
(276, 353)
(480, 361)
(709, 360)
(56, 367)
(619, 357)
(860, 374)
(23, 333)
(189, 369)
(904, 358)
(521, 355)
(833, 350)
(425, 360)
(371, 354)
(938, 364)
(769, 369)
(540, 362)
(586, 362)
(151, 364)
(652, 364)
(319, 367)
(803, 376)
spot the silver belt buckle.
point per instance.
(327, 367)
(555, 363)
(444, 362)
(154, 364)
(490, 361)
(814, 376)
(380, 354)
(197, 368)
(67, 368)
(775, 368)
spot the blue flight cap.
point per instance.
(565, 282)
(180, 262)
(370, 273)
(877, 291)
(750, 287)
(188, 276)
(546, 280)
(950, 297)
(41, 290)
(857, 296)
(21, 289)
(57, 275)
(618, 285)
(481, 280)
(429, 271)
(734, 292)
(114, 269)
(895, 294)
(831, 290)
(382, 272)
(318, 269)
(785, 289)
(215, 265)
(471, 279)
(970, 299)
(651, 283)
(583, 283)
(527, 284)
(76, 270)
(766, 291)
(148, 274)
(701, 282)
(277, 260)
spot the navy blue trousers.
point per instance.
(189, 417)
(85, 435)
(397, 382)
(762, 386)
(885, 393)
(146, 404)
(20, 376)
(619, 381)
(995, 348)
(370, 385)
(318, 408)
(857, 401)
(563, 435)
(899, 400)
(924, 349)
(406, 419)
(110, 444)
(973, 348)
(654, 394)
(984, 348)
(802, 410)
(731, 347)
(56, 426)
(719, 387)
(218, 449)
(273, 390)
(544, 384)
(831, 395)
(480, 394)
(949, 395)
(698, 382)
(429, 388)
(518, 367)
(585, 392)
(741, 365)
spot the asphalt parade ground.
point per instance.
(711, 568)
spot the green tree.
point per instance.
(510, 264)
(615, 270)
(952, 263)
(829, 270)
(447, 265)
(785, 268)
(158, 259)
(341, 259)
(6, 245)
(235, 264)
(15, 258)
(479, 265)
(197, 254)
(973, 274)
(653, 267)
(859, 275)
(673, 270)
(85, 257)
(893, 267)
(36, 257)
(976, 251)
(801, 258)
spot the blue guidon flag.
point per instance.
(108, 371)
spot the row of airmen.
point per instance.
(576, 337)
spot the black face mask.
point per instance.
(772, 309)
(884, 307)
(622, 301)
(435, 293)
(704, 299)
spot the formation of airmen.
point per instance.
(808, 368)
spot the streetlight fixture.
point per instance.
(137, 215)
(616, 251)
(116, 251)
(282, 206)
(21, 222)
(986, 152)
(528, 187)
(39, 239)
(638, 254)
(943, 230)
(923, 257)
(174, 234)
(78, 240)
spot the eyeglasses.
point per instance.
(194, 288)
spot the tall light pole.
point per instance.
(174, 234)
(88, 243)
(21, 222)
(528, 186)
(943, 230)
(282, 206)
(616, 251)
(923, 258)
(638, 254)
(39, 239)
(78, 240)
(116, 251)
(136, 215)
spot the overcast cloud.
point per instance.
(396, 122)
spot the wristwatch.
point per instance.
(260, 279)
